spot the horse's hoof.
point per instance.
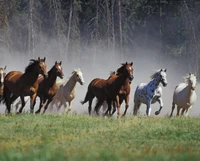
(157, 113)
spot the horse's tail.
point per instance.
(87, 96)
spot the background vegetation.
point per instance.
(85, 29)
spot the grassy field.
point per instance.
(81, 137)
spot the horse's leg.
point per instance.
(178, 110)
(98, 104)
(126, 104)
(173, 106)
(148, 111)
(161, 106)
(183, 110)
(109, 103)
(90, 105)
(41, 105)
(70, 107)
(114, 107)
(47, 104)
(7, 95)
(12, 99)
(32, 102)
(118, 106)
(23, 104)
(136, 107)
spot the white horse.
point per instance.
(66, 90)
(150, 93)
(184, 95)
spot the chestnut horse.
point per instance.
(97, 88)
(47, 86)
(2, 75)
(18, 84)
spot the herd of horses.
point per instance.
(37, 82)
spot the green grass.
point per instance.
(81, 137)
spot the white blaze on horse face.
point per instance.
(164, 77)
(81, 79)
(59, 67)
(2, 76)
(193, 81)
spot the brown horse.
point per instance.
(18, 84)
(117, 87)
(2, 76)
(47, 86)
(96, 89)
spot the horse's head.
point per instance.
(163, 76)
(191, 79)
(78, 76)
(59, 71)
(42, 67)
(2, 74)
(126, 70)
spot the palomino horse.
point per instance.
(67, 90)
(2, 75)
(184, 95)
(47, 86)
(18, 84)
(149, 93)
(115, 84)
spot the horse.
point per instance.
(123, 94)
(184, 95)
(115, 84)
(150, 93)
(67, 90)
(2, 76)
(47, 86)
(19, 84)
(96, 89)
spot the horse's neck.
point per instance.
(32, 77)
(119, 82)
(71, 84)
(153, 83)
(51, 80)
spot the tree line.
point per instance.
(118, 26)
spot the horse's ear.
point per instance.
(44, 59)
(5, 67)
(195, 74)
(60, 62)
(165, 70)
(131, 63)
(161, 70)
(38, 58)
(189, 74)
(55, 62)
(126, 63)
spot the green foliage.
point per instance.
(81, 137)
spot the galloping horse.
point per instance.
(116, 84)
(47, 86)
(151, 92)
(2, 75)
(67, 90)
(96, 88)
(184, 95)
(18, 84)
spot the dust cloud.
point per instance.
(145, 63)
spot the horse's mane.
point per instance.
(187, 78)
(120, 70)
(154, 74)
(31, 65)
(50, 71)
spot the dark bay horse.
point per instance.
(47, 86)
(96, 88)
(2, 76)
(19, 84)
(118, 86)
